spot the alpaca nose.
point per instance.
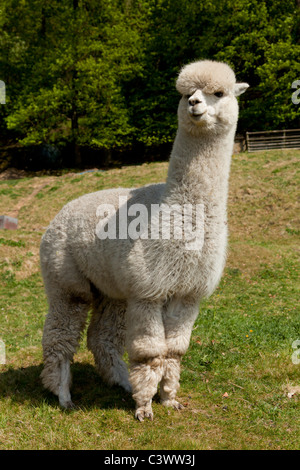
(194, 100)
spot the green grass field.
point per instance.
(239, 382)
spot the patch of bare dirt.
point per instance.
(24, 201)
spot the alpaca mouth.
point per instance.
(196, 114)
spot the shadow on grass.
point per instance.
(23, 385)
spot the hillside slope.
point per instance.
(239, 378)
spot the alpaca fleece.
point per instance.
(144, 293)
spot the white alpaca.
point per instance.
(144, 292)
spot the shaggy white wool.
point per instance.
(144, 292)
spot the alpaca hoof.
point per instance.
(144, 412)
(67, 405)
(173, 404)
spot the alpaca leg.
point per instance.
(145, 343)
(145, 377)
(106, 340)
(64, 395)
(63, 326)
(170, 382)
(178, 319)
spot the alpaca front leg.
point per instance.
(64, 395)
(170, 383)
(146, 346)
(144, 378)
(178, 318)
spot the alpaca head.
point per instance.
(208, 102)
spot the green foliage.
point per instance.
(101, 74)
(72, 91)
(264, 51)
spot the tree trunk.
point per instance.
(74, 120)
(74, 116)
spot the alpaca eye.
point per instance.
(219, 94)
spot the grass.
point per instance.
(238, 373)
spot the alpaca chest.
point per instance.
(163, 269)
(201, 273)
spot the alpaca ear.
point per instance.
(240, 88)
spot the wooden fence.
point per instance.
(266, 140)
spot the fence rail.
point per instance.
(265, 140)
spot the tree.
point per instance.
(101, 73)
(259, 39)
(72, 92)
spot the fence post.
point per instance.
(247, 140)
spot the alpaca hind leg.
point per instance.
(62, 330)
(145, 343)
(106, 340)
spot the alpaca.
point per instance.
(144, 291)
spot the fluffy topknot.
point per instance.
(208, 75)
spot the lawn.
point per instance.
(240, 376)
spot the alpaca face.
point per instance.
(209, 100)
(200, 112)
(217, 111)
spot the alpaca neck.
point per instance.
(199, 169)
